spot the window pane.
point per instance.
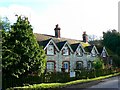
(79, 51)
(50, 66)
(50, 50)
(65, 51)
(104, 54)
(79, 65)
(93, 52)
(66, 65)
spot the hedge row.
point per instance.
(58, 77)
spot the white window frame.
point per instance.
(103, 54)
(66, 66)
(79, 63)
(89, 65)
(50, 66)
(65, 50)
(79, 52)
(50, 49)
(93, 52)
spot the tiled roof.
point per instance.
(60, 44)
(43, 37)
(44, 43)
(99, 48)
(74, 46)
(88, 48)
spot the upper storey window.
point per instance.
(93, 52)
(65, 50)
(103, 54)
(50, 49)
(79, 52)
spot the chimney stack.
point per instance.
(85, 37)
(57, 31)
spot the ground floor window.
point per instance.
(50, 66)
(79, 64)
(89, 64)
(66, 66)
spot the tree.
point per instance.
(4, 24)
(22, 54)
(98, 64)
(111, 39)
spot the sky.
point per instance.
(73, 16)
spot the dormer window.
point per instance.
(93, 53)
(65, 50)
(50, 49)
(103, 54)
(79, 52)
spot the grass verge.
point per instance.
(43, 86)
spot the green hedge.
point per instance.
(54, 86)
(84, 73)
(14, 82)
(58, 77)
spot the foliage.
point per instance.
(52, 77)
(60, 85)
(111, 39)
(5, 24)
(98, 64)
(21, 54)
(57, 77)
(116, 60)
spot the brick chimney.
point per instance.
(57, 31)
(85, 37)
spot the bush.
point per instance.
(14, 82)
(57, 77)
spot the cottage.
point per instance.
(66, 54)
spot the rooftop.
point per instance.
(45, 37)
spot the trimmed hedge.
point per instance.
(58, 77)
(84, 73)
(55, 86)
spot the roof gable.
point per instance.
(45, 43)
(76, 46)
(66, 43)
(104, 50)
(94, 48)
(90, 48)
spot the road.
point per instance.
(106, 84)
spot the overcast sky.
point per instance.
(73, 16)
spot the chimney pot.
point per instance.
(85, 38)
(57, 31)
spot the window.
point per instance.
(79, 65)
(66, 66)
(50, 50)
(79, 52)
(65, 50)
(50, 66)
(103, 54)
(93, 52)
(89, 65)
